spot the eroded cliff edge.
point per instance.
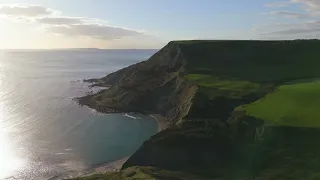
(162, 85)
(198, 86)
(154, 86)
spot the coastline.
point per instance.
(115, 166)
(162, 122)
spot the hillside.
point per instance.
(235, 109)
(147, 173)
(291, 105)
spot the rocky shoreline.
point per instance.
(162, 122)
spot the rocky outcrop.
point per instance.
(153, 86)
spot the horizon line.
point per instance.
(78, 49)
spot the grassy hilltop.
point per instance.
(235, 69)
(291, 105)
(256, 61)
(235, 109)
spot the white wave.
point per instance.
(132, 117)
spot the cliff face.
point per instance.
(195, 78)
(153, 86)
(198, 87)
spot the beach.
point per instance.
(162, 122)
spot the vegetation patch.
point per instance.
(290, 105)
(215, 86)
(143, 173)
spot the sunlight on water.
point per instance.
(8, 161)
(44, 134)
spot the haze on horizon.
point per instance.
(124, 24)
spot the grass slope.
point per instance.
(143, 173)
(215, 86)
(238, 69)
(254, 61)
(291, 105)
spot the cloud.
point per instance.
(60, 20)
(70, 26)
(312, 6)
(96, 31)
(64, 20)
(25, 10)
(288, 14)
(277, 4)
(52, 21)
(308, 29)
(295, 31)
(306, 26)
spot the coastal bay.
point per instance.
(217, 108)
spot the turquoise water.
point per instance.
(43, 132)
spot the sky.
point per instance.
(141, 24)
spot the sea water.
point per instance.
(44, 133)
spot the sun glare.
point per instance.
(8, 161)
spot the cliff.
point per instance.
(152, 86)
(217, 99)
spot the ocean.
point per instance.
(44, 133)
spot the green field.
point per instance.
(215, 86)
(244, 72)
(254, 61)
(290, 105)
